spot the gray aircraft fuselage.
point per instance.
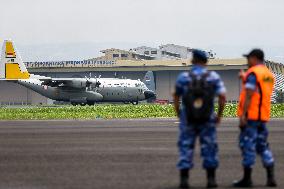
(109, 90)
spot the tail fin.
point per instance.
(11, 65)
(149, 81)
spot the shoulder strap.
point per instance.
(202, 81)
(193, 78)
(191, 74)
(206, 74)
(204, 78)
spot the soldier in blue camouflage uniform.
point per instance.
(188, 132)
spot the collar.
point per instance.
(198, 69)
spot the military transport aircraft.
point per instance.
(78, 91)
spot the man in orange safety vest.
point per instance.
(254, 112)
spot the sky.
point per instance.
(79, 29)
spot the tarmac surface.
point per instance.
(120, 154)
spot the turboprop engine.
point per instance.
(79, 83)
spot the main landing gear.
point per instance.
(135, 103)
(81, 104)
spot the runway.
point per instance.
(120, 154)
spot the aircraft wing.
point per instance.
(52, 82)
(77, 83)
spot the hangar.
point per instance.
(165, 73)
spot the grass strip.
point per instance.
(108, 112)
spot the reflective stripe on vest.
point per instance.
(259, 108)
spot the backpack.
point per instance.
(199, 99)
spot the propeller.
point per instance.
(88, 82)
(98, 83)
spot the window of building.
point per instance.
(154, 52)
(124, 55)
(146, 52)
(172, 54)
(115, 55)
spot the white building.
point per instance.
(167, 52)
(152, 53)
(171, 50)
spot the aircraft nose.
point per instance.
(149, 94)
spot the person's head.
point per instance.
(199, 57)
(256, 56)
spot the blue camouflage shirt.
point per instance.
(184, 79)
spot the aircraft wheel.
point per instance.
(74, 103)
(91, 103)
(135, 103)
(83, 104)
(126, 102)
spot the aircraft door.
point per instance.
(123, 91)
